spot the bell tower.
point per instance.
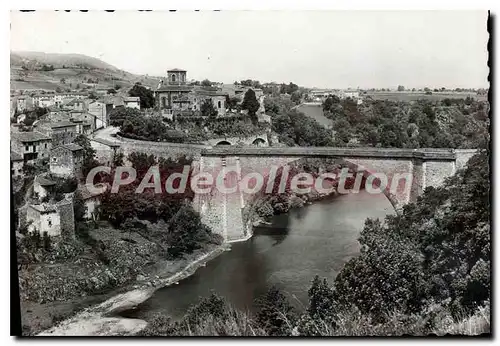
(176, 77)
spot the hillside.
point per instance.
(33, 70)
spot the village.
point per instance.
(45, 125)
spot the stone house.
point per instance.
(132, 102)
(66, 160)
(59, 97)
(217, 98)
(76, 105)
(16, 164)
(44, 218)
(23, 103)
(57, 219)
(100, 110)
(61, 132)
(32, 146)
(105, 150)
(91, 201)
(42, 186)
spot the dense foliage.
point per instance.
(146, 95)
(436, 251)
(184, 231)
(251, 104)
(134, 124)
(186, 129)
(294, 128)
(450, 123)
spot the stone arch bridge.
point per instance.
(224, 212)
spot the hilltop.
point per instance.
(38, 70)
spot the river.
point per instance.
(315, 240)
(315, 111)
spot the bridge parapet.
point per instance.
(394, 153)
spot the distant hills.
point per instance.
(49, 71)
(58, 60)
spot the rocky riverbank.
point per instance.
(103, 319)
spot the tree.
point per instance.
(276, 315)
(247, 82)
(321, 300)
(296, 97)
(146, 95)
(208, 110)
(251, 104)
(401, 88)
(232, 102)
(206, 83)
(186, 232)
(118, 159)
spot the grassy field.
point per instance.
(50, 80)
(413, 96)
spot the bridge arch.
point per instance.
(259, 142)
(310, 165)
(223, 143)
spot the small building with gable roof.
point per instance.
(66, 160)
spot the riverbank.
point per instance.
(103, 319)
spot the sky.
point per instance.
(327, 49)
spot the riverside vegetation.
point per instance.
(134, 239)
(424, 271)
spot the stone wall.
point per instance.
(104, 153)
(463, 155)
(67, 217)
(63, 163)
(160, 149)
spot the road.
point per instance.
(106, 134)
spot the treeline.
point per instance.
(424, 271)
(450, 123)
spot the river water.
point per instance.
(315, 240)
(315, 111)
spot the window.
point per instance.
(54, 159)
(27, 148)
(50, 222)
(219, 105)
(173, 78)
(45, 145)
